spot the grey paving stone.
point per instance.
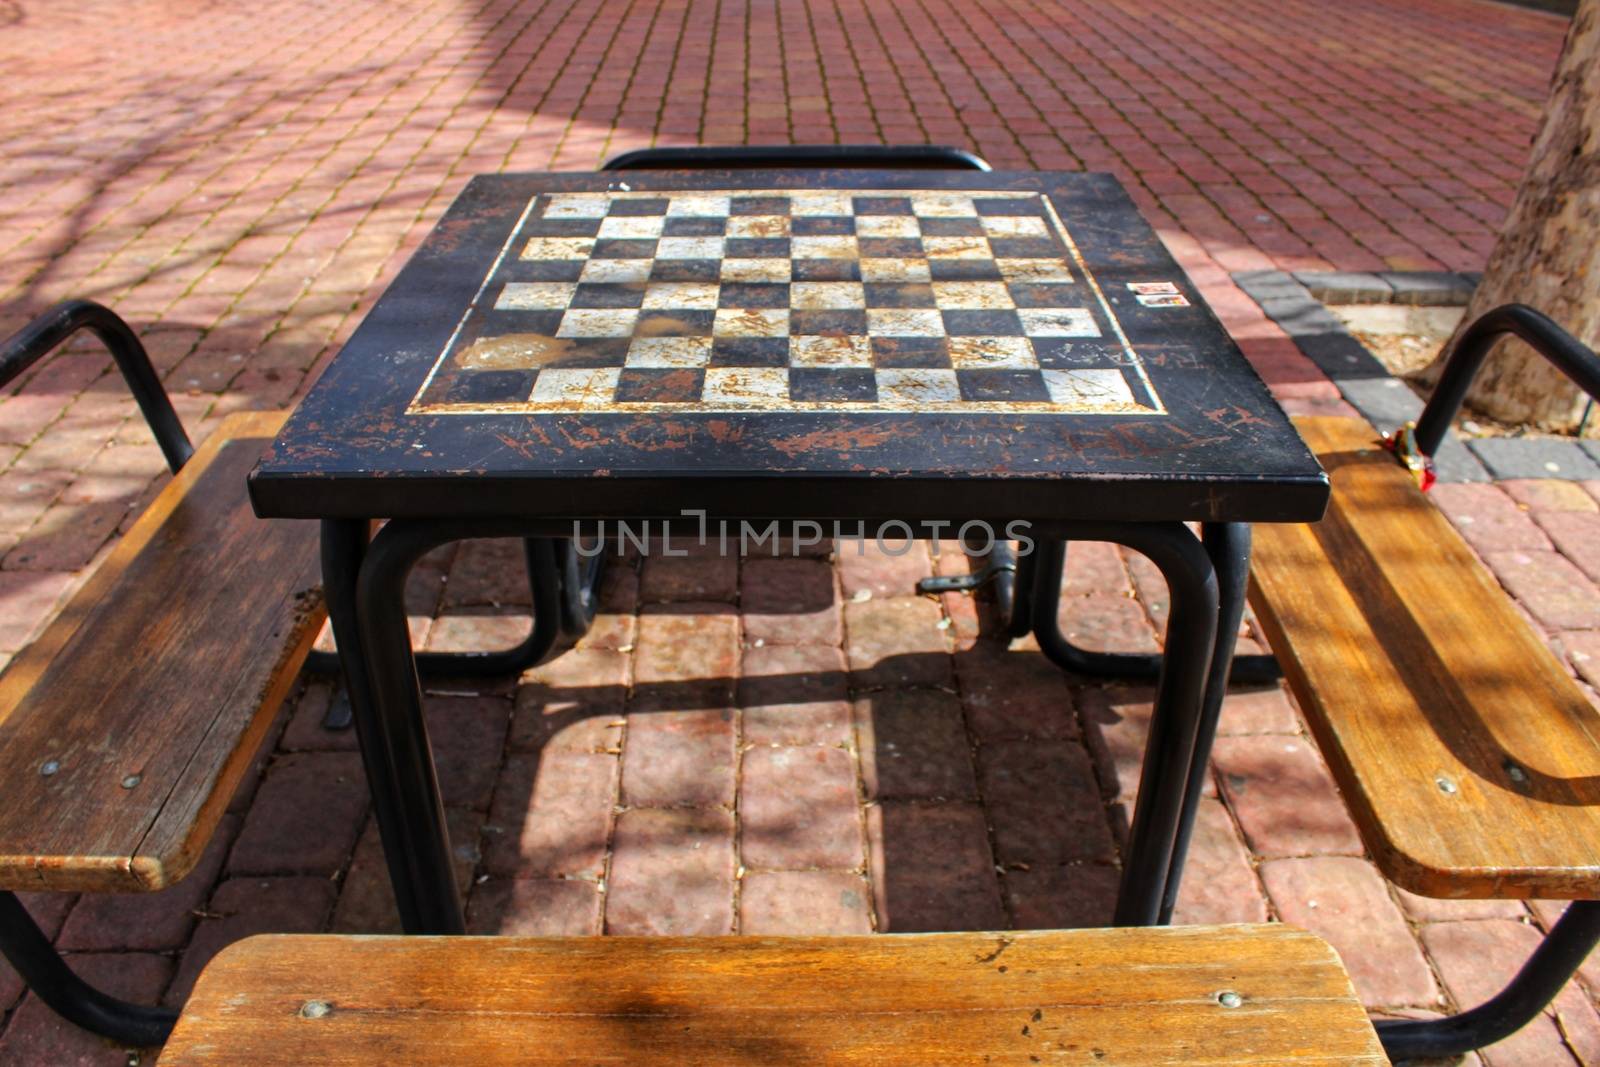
(1346, 287)
(1428, 287)
(1387, 403)
(1300, 315)
(1268, 284)
(1535, 457)
(1340, 356)
(1455, 462)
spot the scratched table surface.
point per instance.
(792, 344)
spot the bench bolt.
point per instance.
(130, 781)
(315, 1009)
(49, 767)
(1229, 999)
(1445, 785)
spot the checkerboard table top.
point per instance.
(807, 326)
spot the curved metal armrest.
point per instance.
(1573, 358)
(718, 157)
(53, 328)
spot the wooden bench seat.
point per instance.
(1127, 997)
(126, 726)
(1468, 756)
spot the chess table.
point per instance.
(895, 349)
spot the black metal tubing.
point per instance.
(345, 547)
(1576, 933)
(1164, 786)
(580, 588)
(22, 943)
(41, 967)
(399, 759)
(54, 327)
(1556, 959)
(1228, 546)
(551, 612)
(1570, 356)
(1132, 666)
(746, 157)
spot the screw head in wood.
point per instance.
(1229, 999)
(315, 1009)
(1445, 785)
(49, 767)
(131, 781)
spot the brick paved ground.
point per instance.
(760, 746)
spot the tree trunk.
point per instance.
(1548, 254)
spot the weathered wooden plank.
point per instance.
(1467, 754)
(1125, 997)
(152, 689)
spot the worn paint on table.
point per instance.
(800, 343)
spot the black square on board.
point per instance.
(512, 320)
(1024, 248)
(1008, 205)
(825, 270)
(981, 322)
(693, 227)
(997, 384)
(1065, 353)
(663, 385)
(543, 270)
(608, 295)
(899, 295)
(753, 295)
(623, 248)
(639, 206)
(561, 228)
(757, 247)
(491, 386)
(963, 270)
(685, 270)
(911, 352)
(832, 323)
(822, 225)
(837, 385)
(750, 352)
(890, 247)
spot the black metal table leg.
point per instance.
(1228, 546)
(1126, 666)
(1180, 691)
(45, 973)
(404, 781)
(344, 550)
(1552, 964)
(553, 617)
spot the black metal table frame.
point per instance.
(364, 582)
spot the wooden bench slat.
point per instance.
(1128, 997)
(1468, 755)
(154, 687)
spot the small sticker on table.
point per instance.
(1163, 300)
(1154, 288)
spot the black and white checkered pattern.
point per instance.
(798, 300)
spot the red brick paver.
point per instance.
(763, 745)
